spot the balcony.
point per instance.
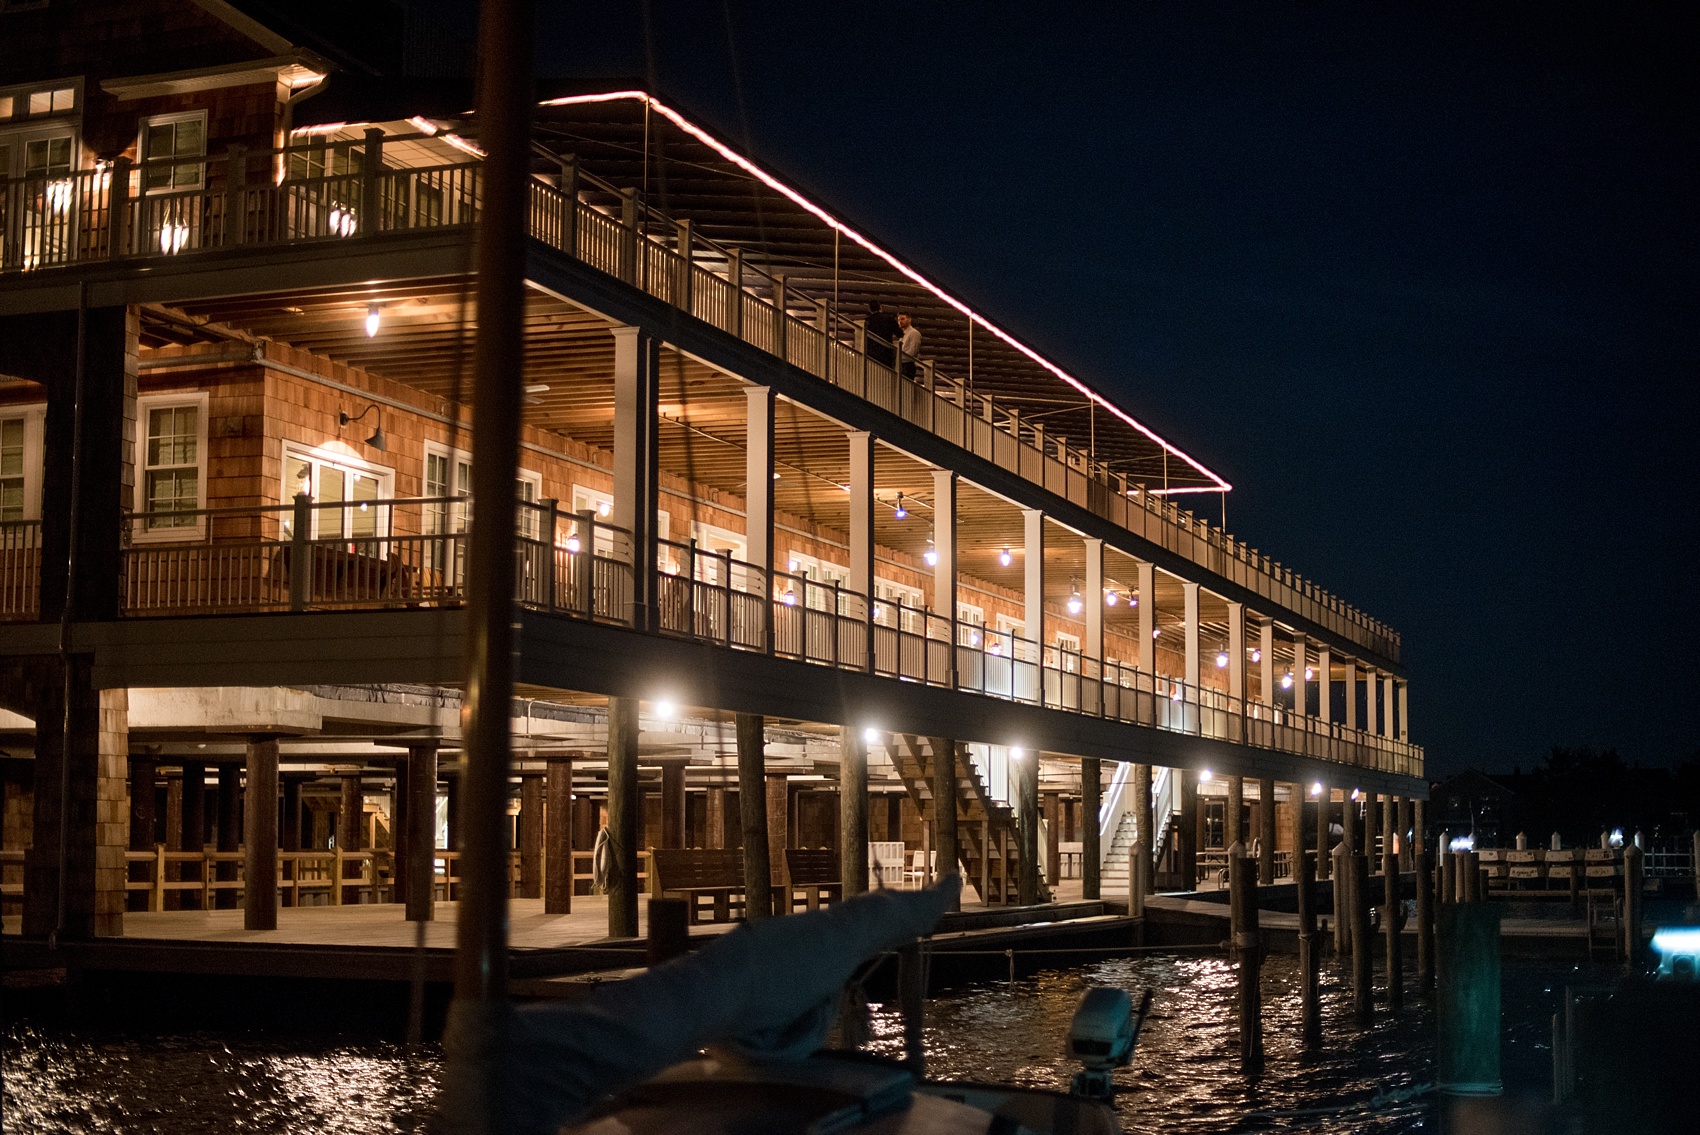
(102, 216)
(411, 554)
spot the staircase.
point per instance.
(1113, 880)
(985, 828)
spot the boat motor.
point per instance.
(1102, 1037)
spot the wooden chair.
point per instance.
(694, 874)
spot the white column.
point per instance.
(1266, 647)
(862, 514)
(1301, 659)
(1034, 542)
(636, 363)
(1387, 706)
(1147, 658)
(758, 478)
(1092, 600)
(1236, 652)
(1190, 591)
(1371, 688)
(1404, 711)
(944, 543)
(1324, 685)
(1351, 693)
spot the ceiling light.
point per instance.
(1256, 654)
(776, 476)
(1316, 788)
(1109, 598)
(1004, 557)
(1204, 776)
(871, 735)
(902, 512)
(1287, 680)
(1222, 660)
(932, 557)
(1016, 753)
(1357, 793)
(372, 320)
(1074, 603)
(1310, 673)
(665, 709)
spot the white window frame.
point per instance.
(912, 601)
(324, 455)
(200, 162)
(716, 542)
(527, 521)
(146, 404)
(970, 625)
(1067, 642)
(34, 417)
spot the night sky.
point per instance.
(1419, 281)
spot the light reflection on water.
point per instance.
(1185, 1076)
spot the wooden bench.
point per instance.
(814, 871)
(692, 874)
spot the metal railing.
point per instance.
(250, 198)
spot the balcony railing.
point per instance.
(20, 569)
(374, 554)
(104, 214)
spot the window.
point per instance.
(822, 572)
(20, 463)
(34, 101)
(893, 598)
(329, 478)
(1068, 651)
(172, 478)
(1009, 630)
(446, 516)
(170, 150)
(970, 622)
(718, 542)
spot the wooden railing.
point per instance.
(105, 214)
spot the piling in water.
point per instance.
(912, 999)
(1248, 951)
(1393, 922)
(1425, 922)
(1363, 963)
(1342, 915)
(1633, 905)
(1310, 959)
(1467, 1008)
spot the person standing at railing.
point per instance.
(909, 343)
(882, 334)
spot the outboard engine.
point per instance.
(1102, 1037)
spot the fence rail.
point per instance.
(240, 198)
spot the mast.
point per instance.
(473, 1039)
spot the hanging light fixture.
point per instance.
(1004, 557)
(572, 543)
(932, 555)
(1222, 659)
(1109, 597)
(1074, 603)
(1310, 673)
(1204, 776)
(902, 513)
(1287, 680)
(372, 321)
(1256, 654)
(1316, 788)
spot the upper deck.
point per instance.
(975, 387)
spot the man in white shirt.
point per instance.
(909, 343)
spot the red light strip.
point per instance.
(767, 179)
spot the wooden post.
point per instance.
(349, 834)
(289, 835)
(1310, 960)
(531, 824)
(144, 776)
(156, 900)
(912, 1000)
(1091, 790)
(1634, 903)
(623, 804)
(714, 817)
(1447, 892)
(776, 797)
(1140, 861)
(1026, 777)
(259, 868)
(1324, 843)
(1233, 813)
(945, 786)
(1188, 831)
(853, 810)
(1266, 831)
(558, 838)
(229, 836)
(673, 802)
(1408, 834)
(194, 837)
(1053, 837)
(1393, 922)
(1468, 1002)
(1363, 961)
(1342, 904)
(753, 816)
(421, 842)
(1247, 944)
(1425, 919)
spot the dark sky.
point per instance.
(1420, 281)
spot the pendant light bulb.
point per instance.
(372, 320)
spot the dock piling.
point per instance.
(1633, 905)
(1393, 922)
(1467, 1008)
(1310, 961)
(912, 999)
(1248, 949)
(1363, 961)
(1425, 921)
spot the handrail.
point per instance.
(106, 213)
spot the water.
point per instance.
(1185, 1076)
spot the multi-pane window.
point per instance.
(172, 147)
(47, 157)
(171, 465)
(13, 501)
(326, 481)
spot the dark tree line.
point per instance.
(1580, 792)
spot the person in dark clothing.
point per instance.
(883, 333)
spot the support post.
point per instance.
(1468, 1002)
(637, 360)
(229, 836)
(1146, 647)
(531, 837)
(1028, 888)
(673, 802)
(853, 810)
(1363, 960)
(350, 831)
(1033, 592)
(1393, 925)
(945, 788)
(1266, 830)
(1634, 904)
(1091, 792)
(945, 578)
(1324, 841)
(194, 829)
(1248, 951)
(861, 579)
(714, 817)
(1187, 831)
(259, 867)
(558, 837)
(752, 815)
(1092, 647)
(1233, 814)
(421, 842)
(758, 499)
(1425, 921)
(777, 796)
(1310, 956)
(1301, 688)
(1342, 902)
(623, 803)
(1144, 829)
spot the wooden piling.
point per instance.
(1266, 830)
(752, 815)
(912, 1001)
(1393, 923)
(1425, 920)
(623, 805)
(1468, 1002)
(557, 836)
(421, 841)
(1634, 903)
(1310, 960)
(1448, 892)
(1091, 791)
(1363, 960)
(946, 786)
(259, 888)
(1248, 950)
(1324, 844)
(1342, 909)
